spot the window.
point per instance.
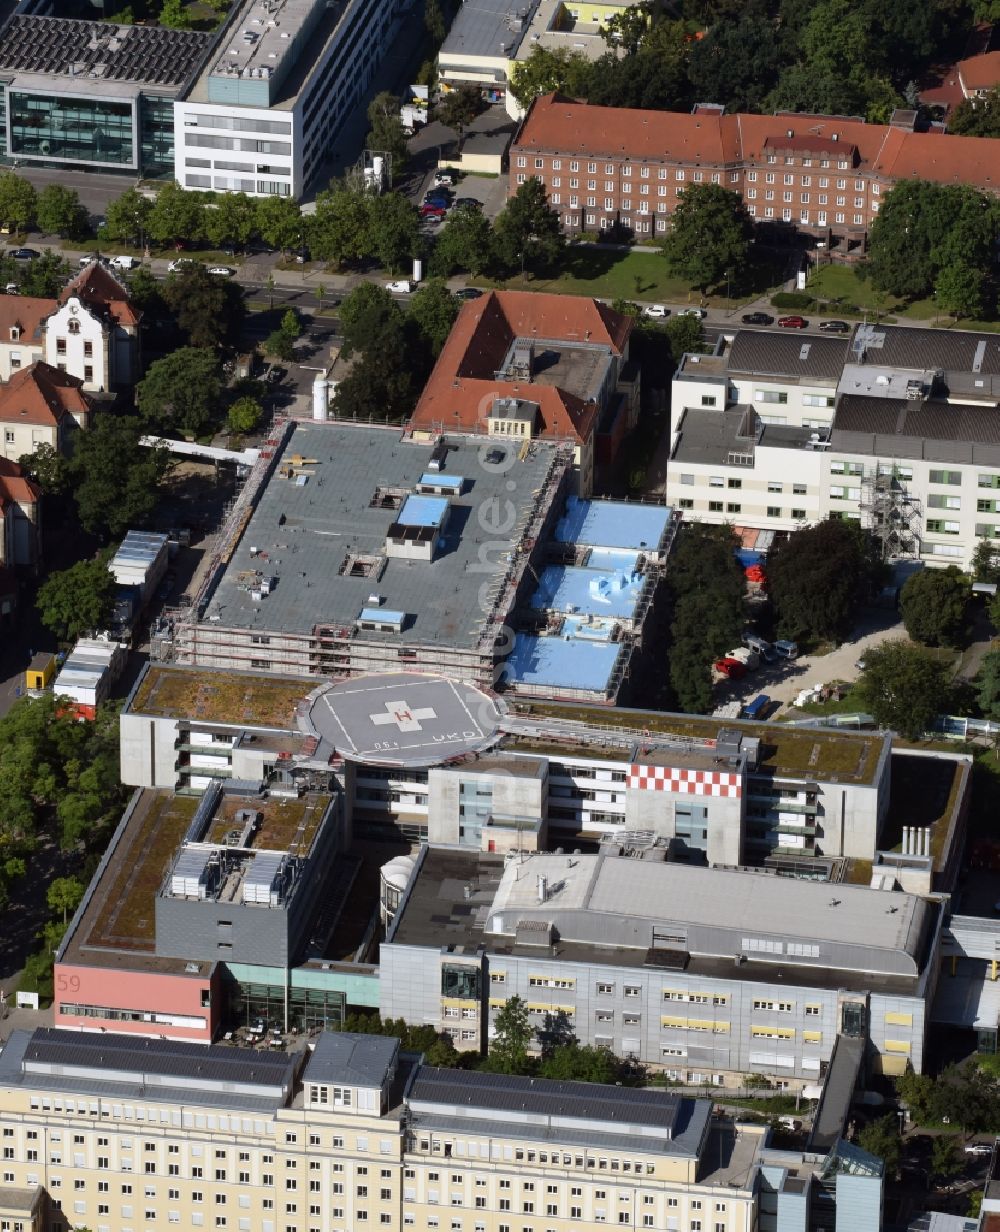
(735, 483)
(798, 515)
(798, 489)
(952, 478)
(733, 507)
(715, 506)
(774, 511)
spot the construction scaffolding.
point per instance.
(890, 512)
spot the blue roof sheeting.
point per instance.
(613, 524)
(451, 483)
(423, 511)
(384, 615)
(601, 592)
(559, 662)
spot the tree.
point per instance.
(738, 61)
(684, 334)
(460, 107)
(369, 317)
(434, 22)
(881, 1138)
(527, 232)
(174, 15)
(626, 28)
(176, 215)
(78, 600)
(433, 310)
(386, 133)
(244, 415)
(934, 603)
(709, 235)
(281, 342)
(59, 212)
(340, 229)
(961, 290)
(208, 309)
(576, 1063)
(116, 479)
(18, 201)
(45, 276)
(815, 578)
(989, 686)
(126, 219)
(465, 242)
(65, 894)
(904, 687)
(512, 1038)
(979, 117)
(986, 562)
(279, 222)
(946, 1157)
(180, 393)
(545, 72)
(394, 230)
(145, 291)
(48, 468)
(705, 589)
(232, 220)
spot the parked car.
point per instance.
(90, 258)
(793, 322)
(757, 318)
(469, 293)
(755, 710)
(978, 1148)
(25, 254)
(700, 313)
(124, 263)
(400, 286)
(657, 311)
(433, 211)
(445, 177)
(437, 196)
(759, 644)
(732, 669)
(181, 263)
(468, 203)
(786, 650)
(835, 327)
(221, 271)
(12, 289)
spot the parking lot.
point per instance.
(784, 680)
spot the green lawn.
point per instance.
(620, 274)
(841, 286)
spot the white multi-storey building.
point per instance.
(280, 81)
(895, 428)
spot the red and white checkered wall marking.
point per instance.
(686, 782)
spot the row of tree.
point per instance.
(54, 769)
(835, 57)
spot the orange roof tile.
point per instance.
(99, 288)
(15, 486)
(27, 314)
(559, 124)
(980, 72)
(461, 389)
(42, 394)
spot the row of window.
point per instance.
(681, 173)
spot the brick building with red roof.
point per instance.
(534, 365)
(824, 175)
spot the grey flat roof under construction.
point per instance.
(492, 28)
(318, 510)
(403, 718)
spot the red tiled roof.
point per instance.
(461, 389)
(980, 72)
(27, 314)
(15, 486)
(99, 288)
(42, 394)
(557, 124)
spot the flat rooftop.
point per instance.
(227, 698)
(403, 718)
(285, 824)
(96, 57)
(612, 593)
(615, 524)
(787, 353)
(450, 904)
(953, 350)
(320, 525)
(561, 662)
(836, 756)
(488, 29)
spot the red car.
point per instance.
(432, 211)
(793, 322)
(732, 669)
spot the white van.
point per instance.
(762, 647)
(123, 263)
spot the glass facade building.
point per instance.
(66, 129)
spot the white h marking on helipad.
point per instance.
(406, 720)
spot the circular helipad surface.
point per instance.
(404, 718)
